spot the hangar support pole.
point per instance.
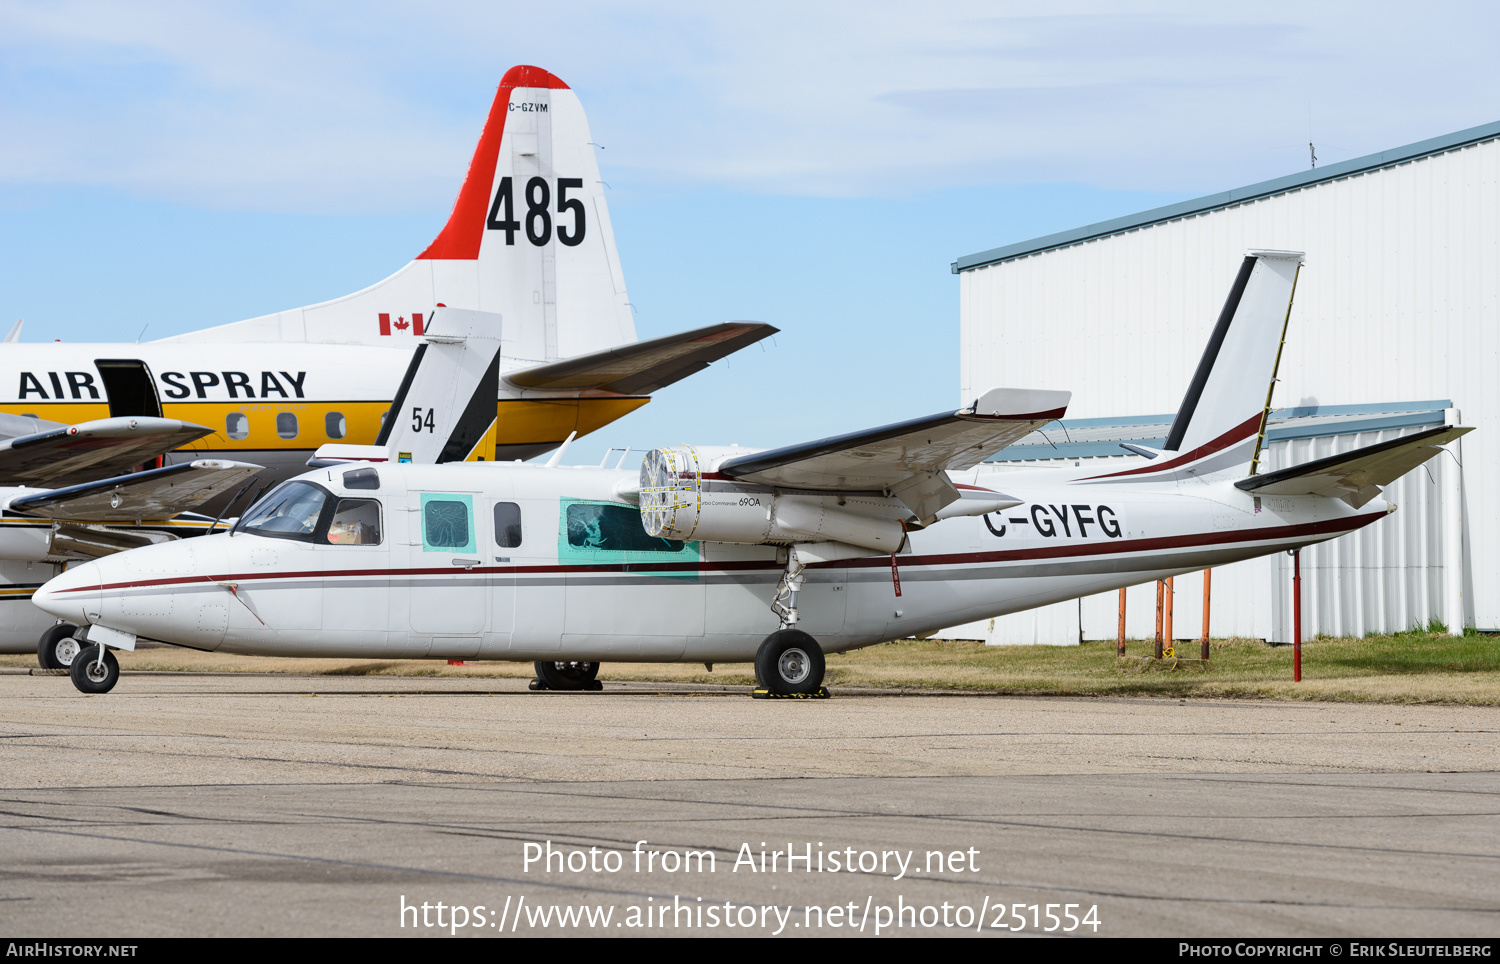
(1208, 575)
(1160, 589)
(1120, 631)
(1171, 595)
(1296, 615)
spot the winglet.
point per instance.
(1019, 404)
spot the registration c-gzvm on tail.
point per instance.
(720, 554)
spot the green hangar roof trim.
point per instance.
(1224, 199)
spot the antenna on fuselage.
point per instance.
(552, 462)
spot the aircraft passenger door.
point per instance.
(358, 603)
(448, 595)
(509, 531)
(129, 387)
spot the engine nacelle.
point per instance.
(676, 503)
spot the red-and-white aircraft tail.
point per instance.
(529, 239)
(1221, 423)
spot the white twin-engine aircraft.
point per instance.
(724, 555)
(529, 243)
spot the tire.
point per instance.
(58, 647)
(566, 675)
(790, 662)
(86, 678)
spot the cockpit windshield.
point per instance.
(290, 512)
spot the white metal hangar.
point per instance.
(1397, 313)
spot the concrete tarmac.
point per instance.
(284, 806)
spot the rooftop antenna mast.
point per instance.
(1312, 154)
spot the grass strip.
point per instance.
(1414, 667)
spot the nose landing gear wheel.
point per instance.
(790, 664)
(58, 647)
(566, 675)
(93, 671)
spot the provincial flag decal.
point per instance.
(401, 324)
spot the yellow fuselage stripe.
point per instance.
(518, 421)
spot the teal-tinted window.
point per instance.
(607, 533)
(613, 528)
(447, 523)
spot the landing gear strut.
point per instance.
(787, 589)
(566, 675)
(789, 663)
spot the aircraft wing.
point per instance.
(152, 494)
(78, 453)
(908, 459)
(1355, 476)
(645, 366)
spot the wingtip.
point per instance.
(1021, 404)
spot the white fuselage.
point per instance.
(565, 591)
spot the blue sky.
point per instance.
(170, 166)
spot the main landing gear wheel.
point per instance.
(790, 663)
(566, 675)
(95, 670)
(58, 647)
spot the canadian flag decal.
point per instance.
(401, 324)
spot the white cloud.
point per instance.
(369, 107)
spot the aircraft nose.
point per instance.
(72, 595)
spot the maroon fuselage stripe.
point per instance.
(953, 559)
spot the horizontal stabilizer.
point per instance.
(337, 453)
(643, 367)
(153, 494)
(907, 459)
(79, 453)
(1355, 476)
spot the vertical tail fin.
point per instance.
(529, 239)
(444, 410)
(1224, 411)
(1222, 419)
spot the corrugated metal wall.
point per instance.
(1387, 577)
(1399, 300)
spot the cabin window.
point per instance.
(335, 425)
(237, 425)
(613, 528)
(356, 522)
(290, 512)
(362, 479)
(446, 523)
(286, 424)
(507, 525)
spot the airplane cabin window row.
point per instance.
(237, 425)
